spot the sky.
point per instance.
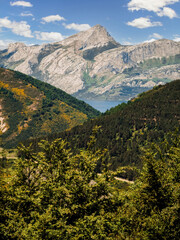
(128, 21)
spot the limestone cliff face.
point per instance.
(93, 62)
(127, 56)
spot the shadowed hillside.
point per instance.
(128, 127)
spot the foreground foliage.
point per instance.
(55, 195)
(153, 208)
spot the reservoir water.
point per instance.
(102, 106)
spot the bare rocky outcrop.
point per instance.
(3, 125)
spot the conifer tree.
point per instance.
(56, 195)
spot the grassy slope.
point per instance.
(32, 108)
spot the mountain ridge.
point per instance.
(91, 63)
(30, 108)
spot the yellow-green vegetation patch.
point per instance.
(33, 108)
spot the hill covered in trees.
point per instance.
(31, 108)
(127, 127)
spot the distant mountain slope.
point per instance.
(91, 64)
(127, 127)
(31, 108)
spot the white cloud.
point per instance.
(157, 6)
(143, 23)
(53, 18)
(21, 3)
(176, 39)
(150, 5)
(19, 28)
(166, 11)
(49, 36)
(151, 40)
(126, 43)
(77, 27)
(4, 43)
(26, 15)
(156, 35)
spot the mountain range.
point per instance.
(92, 65)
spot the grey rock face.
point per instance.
(93, 62)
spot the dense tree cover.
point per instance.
(127, 127)
(53, 194)
(32, 108)
(153, 208)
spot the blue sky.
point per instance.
(128, 21)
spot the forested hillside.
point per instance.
(31, 108)
(127, 127)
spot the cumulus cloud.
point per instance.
(19, 28)
(166, 11)
(150, 5)
(4, 43)
(151, 40)
(153, 37)
(157, 6)
(156, 35)
(21, 3)
(143, 23)
(126, 43)
(53, 18)
(49, 36)
(77, 27)
(26, 15)
(176, 39)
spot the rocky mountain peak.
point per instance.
(15, 46)
(99, 36)
(95, 37)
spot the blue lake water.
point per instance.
(102, 106)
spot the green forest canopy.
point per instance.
(53, 194)
(127, 127)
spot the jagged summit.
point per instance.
(15, 46)
(96, 36)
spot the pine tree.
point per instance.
(56, 195)
(153, 208)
